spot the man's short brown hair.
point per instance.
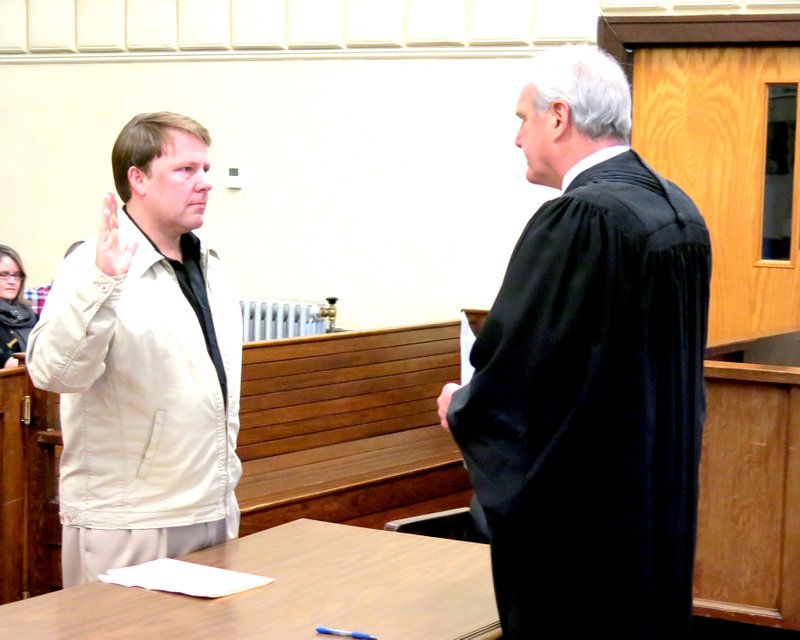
(143, 139)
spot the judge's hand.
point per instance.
(112, 257)
(444, 402)
(11, 363)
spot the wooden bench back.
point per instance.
(322, 390)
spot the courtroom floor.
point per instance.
(712, 629)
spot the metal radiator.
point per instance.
(272, 319)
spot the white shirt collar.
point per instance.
(589, 161)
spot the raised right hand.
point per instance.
(112, 257)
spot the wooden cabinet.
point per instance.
(12, 485)
(29, 529)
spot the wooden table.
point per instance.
(396, 586)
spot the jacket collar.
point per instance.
(147, 254)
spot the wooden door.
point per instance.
(700, 118)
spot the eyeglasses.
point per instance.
(5, 275)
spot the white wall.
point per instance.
(394, 185)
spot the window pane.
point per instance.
(779, 180)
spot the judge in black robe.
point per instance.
(581, 426)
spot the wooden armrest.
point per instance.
(455, 524)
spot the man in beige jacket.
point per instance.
(141, 334)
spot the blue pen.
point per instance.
(346, 634)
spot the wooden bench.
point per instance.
(341, 427)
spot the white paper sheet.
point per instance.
(467, 340)
(193, 579)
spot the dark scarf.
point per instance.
(18, 319)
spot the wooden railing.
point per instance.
(27, 485)
(748, 541)
(13, 485)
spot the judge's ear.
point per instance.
(561, 115)
(136, 178)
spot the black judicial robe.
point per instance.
(581, 426)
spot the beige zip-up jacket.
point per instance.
(148, 441)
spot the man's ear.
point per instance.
(136, 178)
(561, 116)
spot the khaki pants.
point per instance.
(88, 553)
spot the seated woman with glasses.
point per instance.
(16, 316)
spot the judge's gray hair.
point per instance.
(591, 83)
